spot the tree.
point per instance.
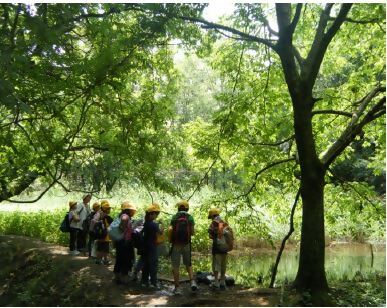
(85, 96)
(86, 89)
(301, 52)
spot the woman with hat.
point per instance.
(124, 247)
(103, 217)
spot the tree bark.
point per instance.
(311, 270)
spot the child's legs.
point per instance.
(119, 265)
(219, 262)
(73, 238)
(146, 269)
(175, 260)
(153, 265)
(186, 252)
(215, 270)
(223, 265)
(139, 264)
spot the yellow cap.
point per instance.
(127, 206)
(183, 203)
(105, 205)
(154, 207)
(72, 204)
(213, 211)
(96, 206)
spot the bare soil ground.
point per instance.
(34, 273)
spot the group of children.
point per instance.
(149, 232)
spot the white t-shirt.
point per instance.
(83, 210)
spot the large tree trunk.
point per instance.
(311, 271)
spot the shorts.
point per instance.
(181, 250)
(219, 262)
(102, 246)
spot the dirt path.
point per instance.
(38, 273)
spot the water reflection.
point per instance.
(254, 269)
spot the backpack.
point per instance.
(99, 231)
(138, 239)
(65, 224)
(114, 230)
(181, 230)
(86, 222)
(224, 242)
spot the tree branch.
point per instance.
(343, 182)
(291, 229)
(245, 36)
(275, 143)
(273, 164)
(338, 112)
(27, 180)
(355, 125)
(362, 22)
(296, 18)
(285, 48)
(38, 197)
(321, 41)
(87, 147)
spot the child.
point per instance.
(180, 232)
(219, 256)
(104, 242)
(96, 207)
(74, 229)
(124, 247)
(150, 255)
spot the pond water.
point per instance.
(341, 263)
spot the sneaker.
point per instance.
(194, 286)
(74, 252)
(177, 291)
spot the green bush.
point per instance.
(43, 225)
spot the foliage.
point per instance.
(257, 224)
(360, 292)
(43, 225)
(33, 279)
(92, 100)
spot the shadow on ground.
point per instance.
(35, 273)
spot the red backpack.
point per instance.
(181, 229)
